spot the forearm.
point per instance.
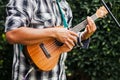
(28, 36)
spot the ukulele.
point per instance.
(46, 54)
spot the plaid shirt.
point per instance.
(36, 14)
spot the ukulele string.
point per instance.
(52, 46)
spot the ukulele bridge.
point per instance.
(45, 50)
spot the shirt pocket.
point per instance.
(43, 19)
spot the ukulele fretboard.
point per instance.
(83, 24)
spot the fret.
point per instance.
(83, 24)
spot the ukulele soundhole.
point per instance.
(58, 43)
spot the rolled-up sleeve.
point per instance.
(84, 43)
(18, 14)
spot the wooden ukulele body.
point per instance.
(45, 60)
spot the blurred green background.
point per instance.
(99, 62)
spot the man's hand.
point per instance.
(67, 37)
(89, 30)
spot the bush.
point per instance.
(99, 62)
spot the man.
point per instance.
(33, 21)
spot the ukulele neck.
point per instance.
(83, 24)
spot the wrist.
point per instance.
(83, 36)
(53, 33)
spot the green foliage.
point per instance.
(99, 62)
(5, 48)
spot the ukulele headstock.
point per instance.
(101, 12)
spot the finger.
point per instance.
(87, 32)
(68, 45)
(71, 42)
(87, 29)
(90, 21)
(73, 38)
(73, 33)
(91, 24)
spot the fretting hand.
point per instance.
(89, 30)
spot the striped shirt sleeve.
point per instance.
(18, 14)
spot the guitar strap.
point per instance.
(62, 15)
(78, 44)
